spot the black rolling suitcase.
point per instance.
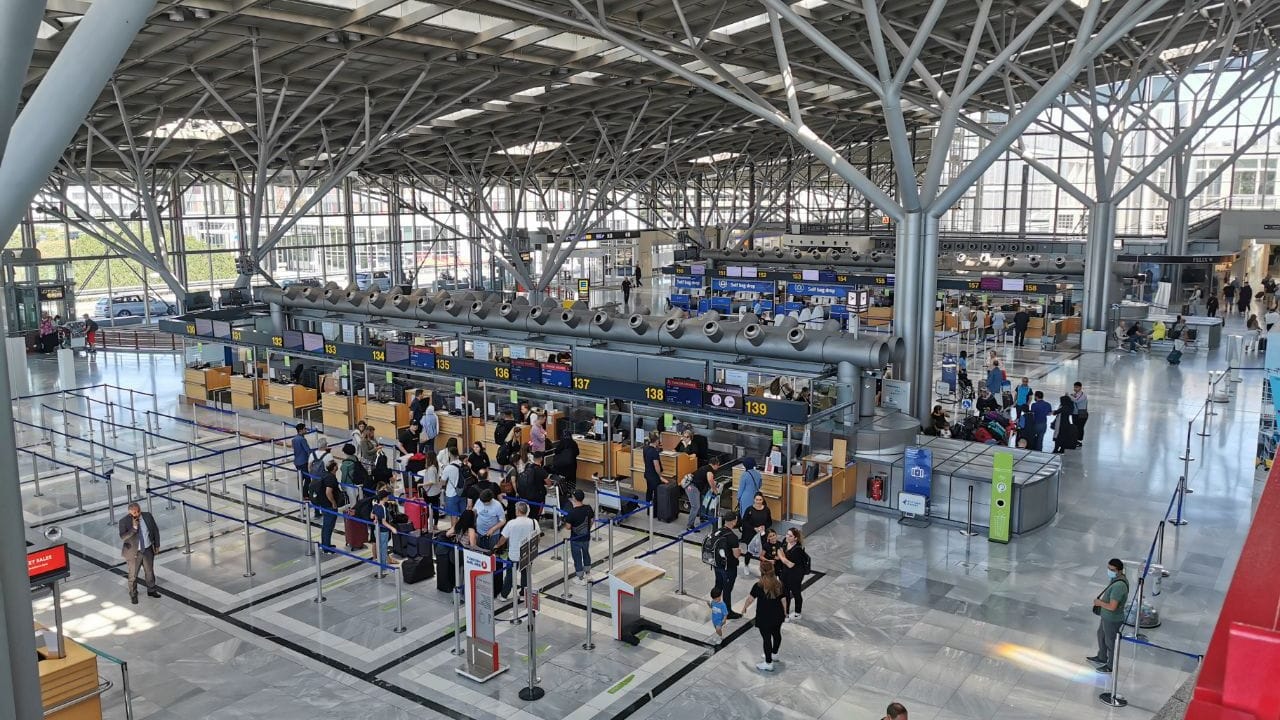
(446, 578)
(1175, 357)
(405, 542)
(666, 506)
(417, 569)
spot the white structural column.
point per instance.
(1097, 266)
(57, 108)
(19, 681)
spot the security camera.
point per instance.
(53, 533)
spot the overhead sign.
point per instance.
(1001, 497)
(48, 565)
(683, 282)
(1185, 259)
(613, 235)
(731, 285)
(584, 289)
(52, 293)
(816, 290)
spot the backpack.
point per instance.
(364, 509)
(717, 546)
(316, 467)
(508, 452)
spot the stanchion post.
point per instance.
(457, 602)
(532, 691)
(168, 481)
(248, 544)
(610, 534)
(208, 497)
(564, 565)
(111, 502)
(223, 457)
(679, 546)
(1182, 489)
(557, 551)
(650, 526)
(400, 628)
(79, 494)
(319, 598)
(1160, 549)
(186, 531)
(111, 414)
(1137, 617)
(35, 473)
(305, 511)
(589, 645)
(968, 530)
(66, 434)
(128, 492)
(1114, 698)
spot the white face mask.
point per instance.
(1111, 574)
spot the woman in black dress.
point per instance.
(1064, 435)
(768, 593)
(756, 520)
(793, 562)
(478, 459)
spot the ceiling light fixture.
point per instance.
(200, 13)
(333, 37)
(176, 15)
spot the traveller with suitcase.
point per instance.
(666, 507)
(384, 511)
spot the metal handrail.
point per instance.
(124, 682)
(103, 686)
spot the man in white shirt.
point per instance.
(451, 476)
(514, 535)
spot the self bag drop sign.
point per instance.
(918, 469)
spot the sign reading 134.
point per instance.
(755, 407)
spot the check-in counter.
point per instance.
(450, 427)
(771, 486)
(342, 411)
(591, 456)
(387, 418)
(674, 465)
(248, 393)
(64, 679)
(288, 400)
(199, 382)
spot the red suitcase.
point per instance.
(356, 532)
(417, 512)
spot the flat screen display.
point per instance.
(526, 370)
(421, 357)
(204, 327)
(810, 275)
(1015, 284)
(684, 391)
(222, 329)
(292, 339)
(733, 271)
(397, 352)
(724, 397)
(313, 342)
(991, 283)
(557, 374)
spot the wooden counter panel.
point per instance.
(450, 425)
(591, 451)
(396, 414)
(63, 679)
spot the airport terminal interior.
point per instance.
(547, 359)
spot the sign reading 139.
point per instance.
(755, 407)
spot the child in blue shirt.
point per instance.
(719, 613)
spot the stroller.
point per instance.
(964, 386)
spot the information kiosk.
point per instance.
(624, 591)
(483, 661)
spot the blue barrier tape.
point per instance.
(61, 462)
(59, 432)
(353, 556)
(679, 539)
(1138, 641)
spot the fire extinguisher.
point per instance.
(875, 488)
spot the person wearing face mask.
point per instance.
(1109, 606)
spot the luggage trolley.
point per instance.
(611, 502)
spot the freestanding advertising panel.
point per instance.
(1001, 497)
(483, 661)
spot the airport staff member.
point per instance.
(141, 543)
(652, 468)
(301, 456)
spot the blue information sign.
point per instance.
(815, 290)
(732, 285)
(683, 282)
(918, 470)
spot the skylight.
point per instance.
(714, 158)
(459, 114)
(465, 21)
(195, 129)
(533, 148)
(763, 18)
(570, 42)
(1185, 50)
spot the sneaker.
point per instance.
(1105, 669)
(1096, 660)
(794, 616)
(776, 656)
(746, 572)
(734, 615)
(579, 581)
(767, 667)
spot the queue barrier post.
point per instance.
(223, 458)
(128, 493)
(79, 493)
(589, 645)
(208, 497)
(1204, 423)
(610, 534)
(248, 544)
(968, 530)
(111, 501)
(35, 472)
(304, 511)
(186, 531)
(457, 602)
(66, 431)
(1160, 549)
(1181, 491)
(111, 414)
(1113, 697)
(319, 598)
(1137, 616)
(650, 512)
(679, 546)
(564, 565)
(400, 627)
(168, 481)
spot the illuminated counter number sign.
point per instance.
(755, 407)
(502, 373)
(191, 328)
(653, 393)
(330, 349)
(581, 383)
(379, 355)
(237, 335)
(1031, 288)
(277, 341)
(881, 281)
(443, 364)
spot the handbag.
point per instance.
(687, 480)
(753, 547)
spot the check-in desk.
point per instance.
(288, 400)
(62, 680)
(198, 383)
(450, 427)
(387, 418)
(624, 596)
(342, 411)
(771, 486)
(591, 457)
(248, 393)
(674, 465)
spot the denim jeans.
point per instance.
(453, 506)
(695, 503)
(327, 521)
(384, 539)
(581, 555)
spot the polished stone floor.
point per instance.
(953, 627)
